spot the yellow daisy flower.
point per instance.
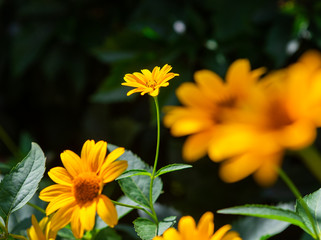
(285, 118)
(187, 230)
(41, 230)
(149, 82)
(76, 196)
(209, 104)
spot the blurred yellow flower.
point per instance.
(76, 196)
(41, 230)
(286, 117)
(250, 128)
(209, 105)
(187, 230)
(149, 82)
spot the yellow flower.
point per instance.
(41, 230)
(210, 104)
(285, 118)
(76, 196)
(149, 82)
(187, 230)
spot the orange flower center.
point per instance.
(151, 83)
(86, 187)
(277, 116)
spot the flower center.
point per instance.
(277, 116)
(86, 187)
(151, 83)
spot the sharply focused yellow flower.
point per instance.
(187, 230)
(41, 230)
(77, 194)
(210, 104)
(149, 82)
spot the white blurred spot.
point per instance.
(211, 44)
(179, 27)
(292, 46)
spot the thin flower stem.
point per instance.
(155, 163)
(312, 159)
(298, 195)
(36, 207)
(135, 207)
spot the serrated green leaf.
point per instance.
(313, 202)
(18, 187)
(134, 172)
(145, 228)
(137, 187)
(270, 212)
(172, 168)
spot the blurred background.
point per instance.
(62, 63)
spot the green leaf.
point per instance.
(66, 233)
(145, 228)
(134, 172)
(137, 187)
(313, 202)
(270, 212)
(172, 168)
(165, 224)
(18, 187)
(252, 228)
(107, 234)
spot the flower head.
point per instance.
(187, 230)
(149, 82)
(209, 104)
(41, 230)
(77, 194)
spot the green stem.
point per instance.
(134, 207)
(298, 195)
(155, 163)
(36, 207)
(9, 143)
(312, 159)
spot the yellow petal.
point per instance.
(196, 146)
(232, 235)
(86, 149)
(187, 227)
(60, 175)
(62, 217)
(231, 140)
(107, 211)
(76, 226)
(210, 83)
(114, 170)
(53, 191)
(298, 135)
(71, 162)
(97, 155)
(239, 167)
(190, 95)
(112, 156)
(87, 215)
(35, 231)
(190, 125)
(172, 234)
(218, 235)
(238, 73)
(205, 225)
(61, 201)
(266, 175)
